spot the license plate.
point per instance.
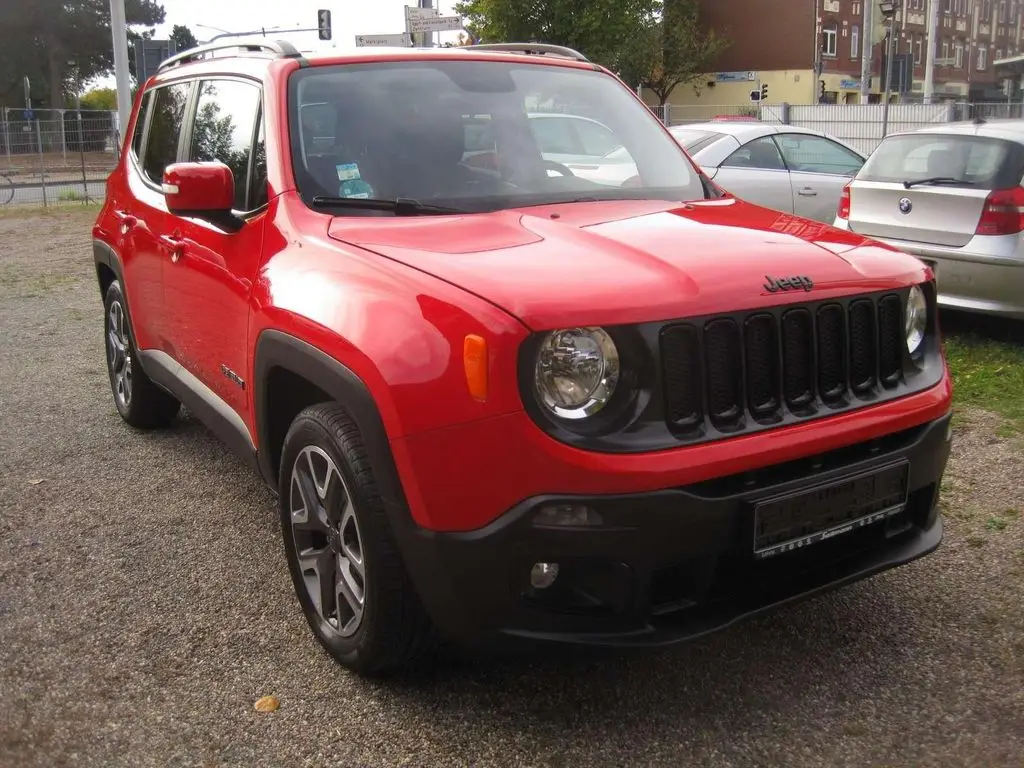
(802, 519)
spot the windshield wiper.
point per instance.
(937, 180)
(402, 206)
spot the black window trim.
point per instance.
(185, 147)
(141, 126)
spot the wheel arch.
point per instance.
(290, 374)
(108, 267)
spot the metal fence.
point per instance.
(859, 125)
(56, 156)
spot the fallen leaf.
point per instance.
(36, 482)
(267, 704)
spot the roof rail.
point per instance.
(536, 49)
(279, 49)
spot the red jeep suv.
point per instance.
(507, 394)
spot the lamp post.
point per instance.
(888, 9)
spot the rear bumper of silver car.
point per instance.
(988, 283)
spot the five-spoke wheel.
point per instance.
(119, 353)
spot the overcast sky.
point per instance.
(348, 19)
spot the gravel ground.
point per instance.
(145, 606)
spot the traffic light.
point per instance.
(323, 18)
(764, 91)
(821, 89)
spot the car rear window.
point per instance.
(980, 161)
(694, 141)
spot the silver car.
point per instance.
(791, 169)
(952, 196)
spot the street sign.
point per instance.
(436, 24)
(323, 18)
(412, 12)
(402, 40)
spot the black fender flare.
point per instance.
(276, 349)
(103, 254)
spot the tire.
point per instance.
(324, 467)
(141, 403)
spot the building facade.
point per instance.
(807, 51)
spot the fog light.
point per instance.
(567, 515)
(543, 575)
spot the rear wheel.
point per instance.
(140, 402)
(348, 576)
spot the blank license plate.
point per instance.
(802, 519)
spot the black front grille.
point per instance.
(781, 364)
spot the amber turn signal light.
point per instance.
(474, 356)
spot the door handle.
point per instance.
(807, 192)
(127, 220)
(175, 245)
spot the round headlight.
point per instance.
(917, 319)
(577, 372)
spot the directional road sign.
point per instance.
(435, 24)
(402, 40)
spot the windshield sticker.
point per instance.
(348, 171)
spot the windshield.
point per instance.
(959, 160)
(477, 136)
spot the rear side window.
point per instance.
(165, 129)
(978, 161)
(140, 124)
(225, 128)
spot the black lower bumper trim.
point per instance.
(672, 565)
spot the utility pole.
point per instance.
(867, 48)
(428, 37)
(119, 32)
(929, 59)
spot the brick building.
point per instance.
(803, 49)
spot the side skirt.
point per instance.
(208, 407)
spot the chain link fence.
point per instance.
(56, 156)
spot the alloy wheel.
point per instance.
(119, 354)
(328, 543)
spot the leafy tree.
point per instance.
(60, 44)
(100, 98)
(602, 30)
(183, 37)
(673, 50)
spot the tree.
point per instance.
(100, 98)
(61, 44)
(183, 37)
(602, 30)
(673, 50)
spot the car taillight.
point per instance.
(1003, 213)
(843, 211)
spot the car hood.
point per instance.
(606, 263)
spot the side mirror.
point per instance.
(201, 190)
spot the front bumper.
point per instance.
(669, 565)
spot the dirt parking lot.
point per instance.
(145, 606)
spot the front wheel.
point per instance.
(348, 576)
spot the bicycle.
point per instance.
(6, 189)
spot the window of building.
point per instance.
(982, 57)
(854, 42)
(958, 55)
(918, 49)
(1002, 12)
(829, 39)
(999, 54)
(948, 6)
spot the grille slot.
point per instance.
(680, 352)
(863, 362)
(761, 341)
(797, 358)
(746, 371)
(890, 339)
(831, 353)
(724, 372)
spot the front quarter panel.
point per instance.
(399, 330)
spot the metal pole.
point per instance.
(119, 33)
(866, 49)
(890, 55)
(81, 150)
(929, 41)
(63, 138)
(7, 134)
(42, 172)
